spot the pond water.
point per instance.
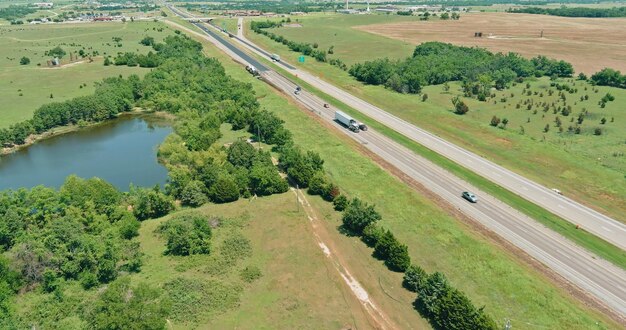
(121, 151)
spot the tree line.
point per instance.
(573, 11)
(436, 63)
(13, 12)
(305, 48)
(443, 305)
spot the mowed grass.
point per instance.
(36, 83)
(489, 275)
(582, 166)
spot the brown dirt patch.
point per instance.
(590, 44)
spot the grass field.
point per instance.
(36, 82)
(572, 168)
(590, 44)
(436, 240)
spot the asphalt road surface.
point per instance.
(599, 278)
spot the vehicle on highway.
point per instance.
(557, 191)
(253, 71)
(326, 105)
(275, 57)
(347, 121)
(469, 196)
(298, 90)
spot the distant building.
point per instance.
(297, 13)
(44, 5)
(347, 11)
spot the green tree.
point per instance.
(25, 60)
(225, 190)
(414, 278)
(57, 52)
(122, 306)
(150, 203)
(358, 215)
(340, 203)
(187, 234)
(194, 194)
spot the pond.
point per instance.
(121, 151)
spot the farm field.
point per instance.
(436, 240)
(568, 162)
(590, 44)
(36, 82)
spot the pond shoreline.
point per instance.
(61, 130)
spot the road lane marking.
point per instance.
(607, 229)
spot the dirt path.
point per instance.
(378, 318)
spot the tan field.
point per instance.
(590, 44)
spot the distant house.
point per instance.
(103, 19)
(44, 5)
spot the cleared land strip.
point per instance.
(576, 265)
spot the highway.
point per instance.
(588, 219)
(599, 278)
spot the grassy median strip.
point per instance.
(581, 237)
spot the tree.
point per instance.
(25, 60)
(224, 190)
(187, 234)
(358, 215)
(414, 278)
(122, 306)
(57, 52)
(150, 203)
(193, 194)
(340, 203)
(460, 107)
(147, 41)
(241, 153)
(494, 121)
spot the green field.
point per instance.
(436, 240)
(585, 167)
(36, 82)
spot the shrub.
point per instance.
(150, 203)
(250, 274)
(358, 215)
(224, 190)
(372, 233)
(187, 234)
(193, 194)
(340, 203)
(25, 60)
(414, 278)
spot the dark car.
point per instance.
(470, 197)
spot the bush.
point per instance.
(193, 194)
(187, 234)
(414, 278)
(25, 60)
(340, 203)
(224, 190)
(372, 233)
(358, 215)
(151, 203)
(250, 274)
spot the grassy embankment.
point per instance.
(571, 168)
(36, 83)
(437, 241)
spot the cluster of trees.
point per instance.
(112, 96)
(437, 63)
(609, 77)
(150, 60)
(301, 47)
(81, 232)
(444, 306)
(573, 11)
(13, 12)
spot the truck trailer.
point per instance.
(348, 121)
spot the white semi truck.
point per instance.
(275, 57)
(349, 122)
